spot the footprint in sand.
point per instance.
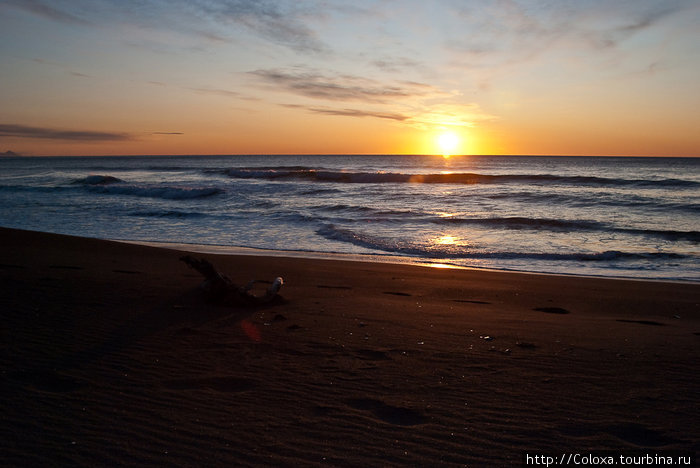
(552, 310)
(372, 355)
(66, 267)
(393, 293)
(632, 433)
(642, 322)
(390, 414)
(47, 381)
(323, 286)
(220, 384)
(470, 302)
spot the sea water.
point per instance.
(622, 217)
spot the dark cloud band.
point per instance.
(340, 88)
(23, 131)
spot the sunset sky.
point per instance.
(570, 77)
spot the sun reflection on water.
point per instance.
(446, 240)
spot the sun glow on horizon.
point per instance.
(448, 143)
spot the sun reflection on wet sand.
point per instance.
(446, 240)
(444, 266)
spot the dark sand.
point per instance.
(111, 357)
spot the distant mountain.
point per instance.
(10, 154)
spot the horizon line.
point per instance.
(19, 155)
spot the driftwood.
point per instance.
(219, 289)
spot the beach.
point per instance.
(590, 216)
(111, 357)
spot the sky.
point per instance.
(566, 77)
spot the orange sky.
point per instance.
(505, 77)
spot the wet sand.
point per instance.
(110, 356)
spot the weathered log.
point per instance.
(219, 289)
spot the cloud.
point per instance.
(411, 103)
(277, 21)
(425, 118)
(22, 131)
(450, 115)
(217, 92)
(47, 11)
(396, 64)
(505, 33)
(224, 93)
(282, 23)
(359, 113)
(351, 112)
(167, 133)
(342, 87)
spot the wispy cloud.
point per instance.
(450, 115)
(396, 64)
(23, 131)
(423, 117)
(279, 22)
(505, 32)
(217, 92)
(412, 103)
(316, 85)
(224, 93)
(167, 133)
(350, 112)
(61, 66)
(45, 10)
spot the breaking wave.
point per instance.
(416, 249)
(168, 193)
(167, 214)
(97, 180)
(322, 175)
(563, 225)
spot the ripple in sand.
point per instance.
(552, 310)
(395, 415)
(47, 381)
(66, 267)
(643, 322)
(372, 355)
(632, 433)
(220, 384)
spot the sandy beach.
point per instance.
(111, 357)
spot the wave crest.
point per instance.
(416, 249)
(168, 193)
(322, 175)
(95, 179)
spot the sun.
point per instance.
(448, 143)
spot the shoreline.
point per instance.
(520, 232)
(368, 258)
(111, 356)
(228, 250)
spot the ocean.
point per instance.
(600, 216)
